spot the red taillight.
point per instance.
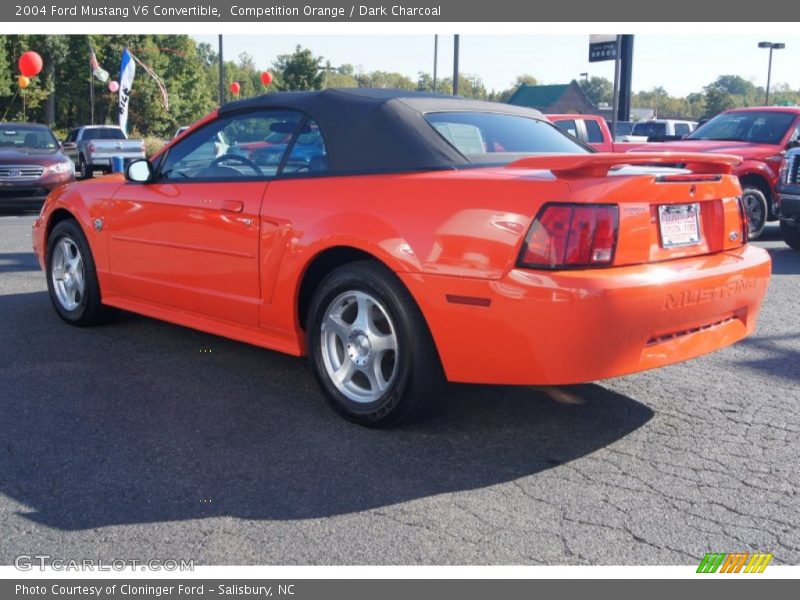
(571, 235)
(91, 146)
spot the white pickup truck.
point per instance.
(93, 147)
(660, 130)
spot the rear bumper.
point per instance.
(105, 161)
(549, 328)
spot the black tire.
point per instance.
(89, 309)
(415, 364)
(757, 209)
(790, 233)
(83, 168)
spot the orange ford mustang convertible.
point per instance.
(399, 239)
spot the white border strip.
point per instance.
(408, 572)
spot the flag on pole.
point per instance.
(127, 71)
(100, 73)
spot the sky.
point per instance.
(680, 64)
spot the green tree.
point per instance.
(717, 99)
(425, 84)
(6, 80)
(520, 80)
(469, 86)
(525, 79)
(299, 71)
(385, 79)
(736, 86)
(338, 77)
(599, 89)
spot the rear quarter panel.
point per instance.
(466, 223)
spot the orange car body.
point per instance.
(231, 259)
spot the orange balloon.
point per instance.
(23, 81)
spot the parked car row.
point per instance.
(761, 136)
(32, 162)
(592, 130)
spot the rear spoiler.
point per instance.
(598, 165)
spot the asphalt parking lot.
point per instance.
(141, 440)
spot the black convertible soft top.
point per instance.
(370, 129)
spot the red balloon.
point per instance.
(266, 78)
(30, 63)
(235, 88)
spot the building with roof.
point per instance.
(554, 99)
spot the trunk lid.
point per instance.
(664, 213)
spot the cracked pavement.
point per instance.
(128, 441)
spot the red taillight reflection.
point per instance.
(745, 220)
(688, 178)
(571, 235)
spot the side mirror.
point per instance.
(139, 171)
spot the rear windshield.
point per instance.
(499, 138)
(650, 128)
(103, 133)
(758, 127)
(624, 127)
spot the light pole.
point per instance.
(772, 46)
(221, 74)
(586, 95)
(435, 59)
(456, 39)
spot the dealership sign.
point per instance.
(602, 47)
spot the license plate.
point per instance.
(680, 225)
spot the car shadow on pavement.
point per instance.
(776, 356)
(785, 261)
(17, 262)
(140, 421)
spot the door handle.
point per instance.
(232, 206)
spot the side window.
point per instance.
(72, 135)
(594, 135)
(308, 153)
(682, 129)
(569, 126)
(239, 146)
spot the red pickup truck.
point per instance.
(592, 130)
(760, 136)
